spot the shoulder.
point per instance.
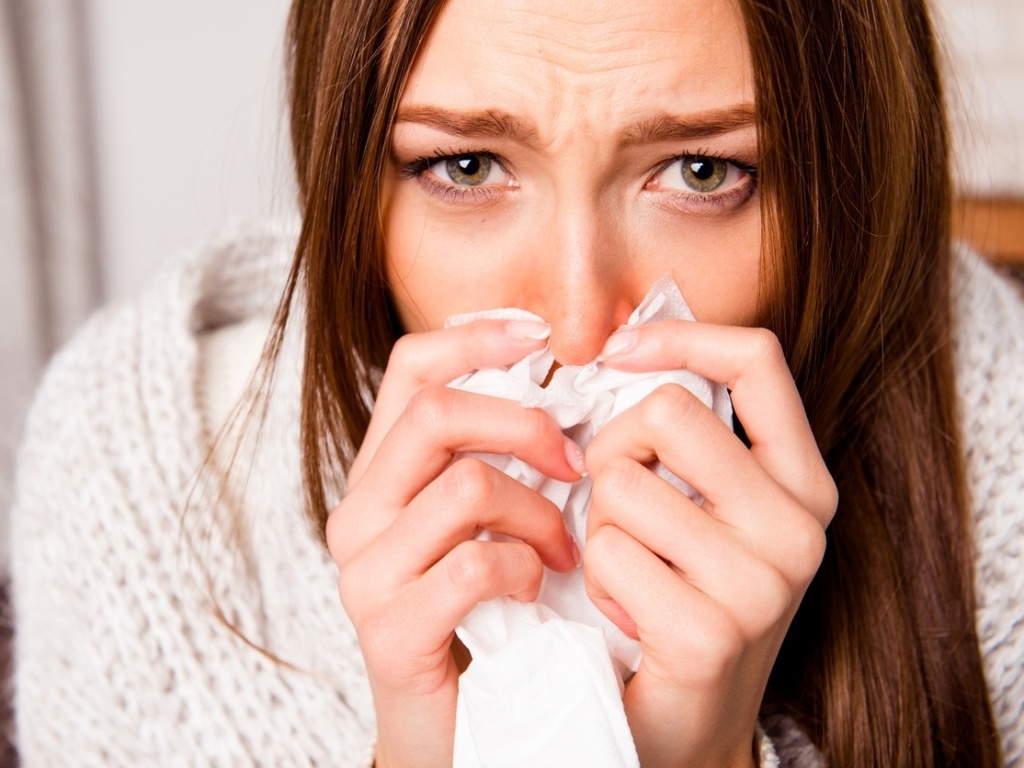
(116, 421)
(115, 436)
(125, 385)
(988, 344)
(115, 433)
(988, 348)
(988, 338)
(112, 627)
(988, 321)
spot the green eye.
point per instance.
(703, 174)
(468, 170)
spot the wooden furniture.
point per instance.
(994, 226)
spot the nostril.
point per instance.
(547, 379)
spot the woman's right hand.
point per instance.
(404, 537)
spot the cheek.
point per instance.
(402, 251)
(434, 267)
(715, 261)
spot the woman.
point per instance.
(786, 164)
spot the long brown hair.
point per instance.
(881, 665)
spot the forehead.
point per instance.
(589, 64)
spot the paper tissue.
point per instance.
(545, 684)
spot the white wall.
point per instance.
(986, 88)
(191, 124)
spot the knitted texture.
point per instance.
(120, 657)
(989, 348)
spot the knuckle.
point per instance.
(402, 350)
(616, 481)
(348, 587)
(536, 422)
(467, 484)
(430, 408)
(334, 533)
(469, 567)
(772, 600)
(726, 634)
(807, 542)
(548, 528)
(530, 559)
(828, 499)
(604, 548)
(765, 346)
(360, 585)
(668, 403)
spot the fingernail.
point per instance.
(528, 330)
(574, 455)
(574, 550)
(618, 343)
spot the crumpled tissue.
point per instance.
(545, 684)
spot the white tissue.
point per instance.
(545, 684)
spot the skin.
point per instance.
(581, 211)
(582, 233)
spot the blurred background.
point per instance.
(131, 129)
(128, 130)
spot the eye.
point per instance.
(469, 170)
(700, 174)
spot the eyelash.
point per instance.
(706, 203)
(449, 193)
(712, 202)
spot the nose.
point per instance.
(584, 287)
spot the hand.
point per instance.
(709, 591)
(403, 537)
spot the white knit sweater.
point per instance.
(120, 659)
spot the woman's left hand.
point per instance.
(709, 591)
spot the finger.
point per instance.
(750, 362)
(436, 357)
(440, 422)
(468, 497)
(671, 617)
(627, 495)
(473, 572)
(760, 575)
(672, 425)
(686, 635)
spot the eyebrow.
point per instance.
(494, 123)
(483, 124)
(684, 128)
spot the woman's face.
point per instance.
(560, 157)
